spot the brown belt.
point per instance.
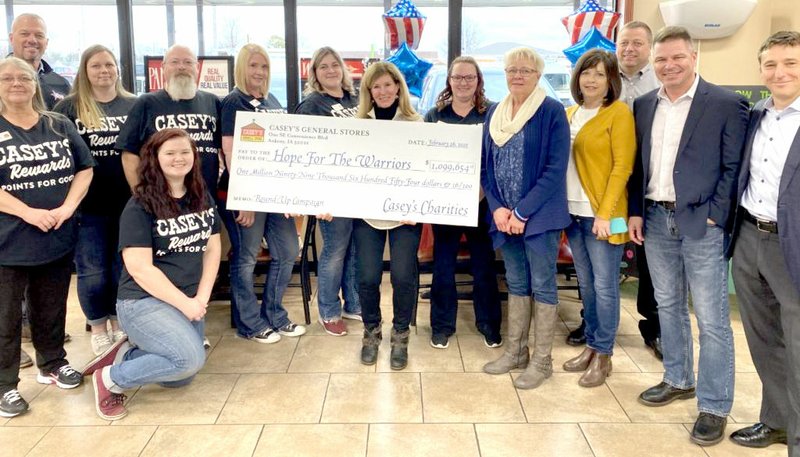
(761, 224)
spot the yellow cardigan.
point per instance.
(605, 149)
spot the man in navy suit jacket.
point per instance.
(766, 252)
(690, 136)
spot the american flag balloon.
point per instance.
(403, 24)
(590, 15)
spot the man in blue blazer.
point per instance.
(766, 252)
(689, 136)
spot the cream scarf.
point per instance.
(502, 127)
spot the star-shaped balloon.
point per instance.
(403, 24)
(593, 39)
(590, 15)
(412, 67)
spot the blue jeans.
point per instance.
(245, 247)
(168, 347)
(337, 269)
(678, 264)
(98, 266)
(284, 248)
(403, 245)
(444, 296)
(529, 273)
(597, 266)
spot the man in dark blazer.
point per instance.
(689, 136)
(766, 248)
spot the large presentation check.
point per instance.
(359, 168)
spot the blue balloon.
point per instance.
(412, 67)
(593, 39)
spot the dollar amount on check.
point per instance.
(391, 170)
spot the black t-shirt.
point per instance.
(448, 116)
(109, 192)
(54, 86)
(239, 101)
(323, 104)
(199, 117)
(178, 244)
(37, 166)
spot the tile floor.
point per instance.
(310, 396)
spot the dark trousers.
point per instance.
(444, 296)
(770, 306)
(403, 245)
(646, 305)
(47, 286)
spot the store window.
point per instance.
(71, 29)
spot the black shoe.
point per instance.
(12, 404)
(399, 356)
(492, 340)
(369, 345)
(664, 394)
(577, 337)
(64, 377)
(758, 435)
(440, 341)
(708, 429)
(655, 345)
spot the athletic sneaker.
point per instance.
(492, 341)
(439, 341)
(100, 343)
(268, 336)
(292, 329)
(106, 358)
(335, 327)
(12, 404)
(117, 335)
(109, 405)
(64, 377)
(206, 343)
(351, 316)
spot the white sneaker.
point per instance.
(268, 336)
(100, 343)
(117, 335)
(351, 316)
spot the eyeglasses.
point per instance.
(524, 72)
(22, 79)
(467, 78)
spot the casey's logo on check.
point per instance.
(253, 133)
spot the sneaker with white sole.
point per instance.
(109, 405)
(117, 335)
(12, 404)
(492, 341)
(65, 377)
(335, 327)
(351, 316)
(267, 336)
(100, 342)
(292, 329)
(106, 358)
(440, 341)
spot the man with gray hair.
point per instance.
(28, 39)
(178, 105)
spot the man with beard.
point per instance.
(28, 39)
(178, 105)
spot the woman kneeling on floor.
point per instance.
(169, 238)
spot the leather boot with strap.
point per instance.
(369, 345)
(541, 365)
(399, 356)
(516, 352)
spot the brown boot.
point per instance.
(516, 353)
(599, 369)
(541, 365)
(581, 362)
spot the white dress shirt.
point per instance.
(771, 145)
(668, 123)
(577, 200)
(641, 83)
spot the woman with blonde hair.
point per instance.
(329, 92)
(384, 96)
(45, 173)
(525, 154)
(267, 322)
(98, 106)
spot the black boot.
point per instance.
(399, 357)
(577, 336)
(369, 345)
